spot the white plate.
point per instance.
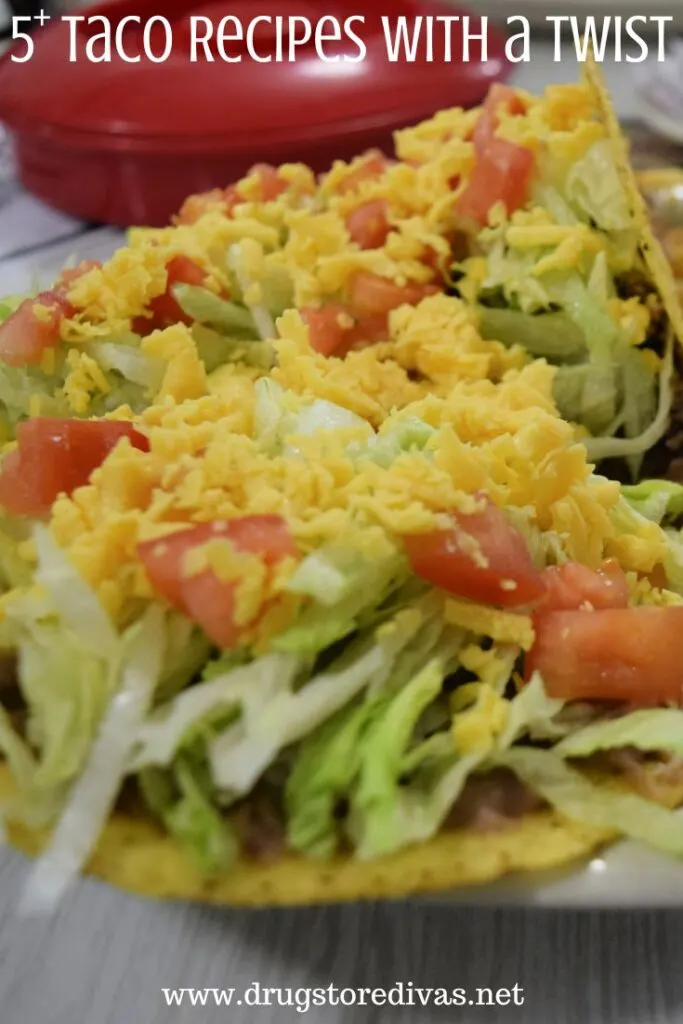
(626, 875)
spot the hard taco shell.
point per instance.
(135, 855)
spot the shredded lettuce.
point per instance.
(335, 573)
(182, 798)
(392, 814)
(16, 752)
(242, 753)
(14, 570)
(325, 767)
(551, 336)
(435, 639)
(186, 654)
(92, 797)
(216, 350)
(599, 448)
(321, 624)
(532, 709)
(270, 414)
(628, 519)
(657, 500)
(373, 819)
(321, 415)
(9, 303)
(66, 689)
(277, 289)
(408, 435)
(594, 189)
(19, 387)
(587, 311)
(238, 691)
(261, 315)
(588, 394)
(208, 308)
(74, 602)
(639, 401)
(130, 362)
(510, 275)
(571, 793)
(277, 424)
(551, 199)
(659, 729)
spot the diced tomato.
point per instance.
(327, 331)
(272, 185)
(183, 270)
(32, 328)
(205, 598)
(483, 557)
(197, 205)
(164, 309)
(68, 276)
(56, 456)
(573, 586)
(372, 295)
(631, 654)
(369, 225)
(499, 96)
(329, 334)
(502, 173)
(368, 330)
(374, 166)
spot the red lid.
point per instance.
(207, 106)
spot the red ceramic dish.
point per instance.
(124, 143)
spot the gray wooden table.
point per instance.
(105, 958)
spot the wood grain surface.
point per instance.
(105, 957)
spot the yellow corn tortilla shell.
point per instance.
(652, 252)
(135, 855)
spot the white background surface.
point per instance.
(105, 957)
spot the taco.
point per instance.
(562, 260)
(306, 653)
(526, 208)
(315, 628)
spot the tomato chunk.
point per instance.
(453, 560)
(502, 173)
(328, 327)
(197, 205)
(205, 598)
(164, 308)
(499, 96)
(32, 328)
(573, 586)
(620, 654)
(56, 456)
(272, 185)
(372, 295)
(71, 274)
(368, 225)
(367, 330)
(374, 166)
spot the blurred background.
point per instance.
(648, 98)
